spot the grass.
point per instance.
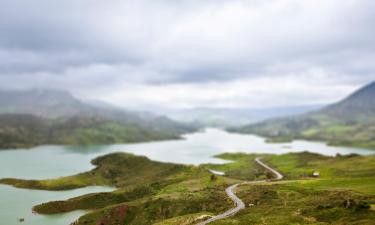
(120, 170)
(241, 167)
(352, 132)
(164, 193)
(148, 191)
(360, 185)
(157, 210)
(302, 199)
(185, 219)
(301, 165)
(24, 131)
(282, 204)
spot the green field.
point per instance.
(342, 194)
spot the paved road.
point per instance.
(278, 176)
(238, 202)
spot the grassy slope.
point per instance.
(350, 122)
(120, 170)
(315, 126)
(285, 204)
(162, 193)
(20, 131)
(147, 192)
(341, 195)
(353, 172)
(242, 166)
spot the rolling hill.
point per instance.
(350, 122)
(36, 117)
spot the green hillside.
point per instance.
(148, 191)
(35, 117)
(350, 122)
(158, 193)
(342, 194)
(24, 131)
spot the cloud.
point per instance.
(162, 52)
(261, 92)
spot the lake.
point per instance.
(54, 161)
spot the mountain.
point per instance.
(36, 117)
(41, 102)
(361, 104)
(350, 122)
(227, 117)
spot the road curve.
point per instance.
(278, 176)
(238, 202)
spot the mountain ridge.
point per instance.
(359, 103)
(350, 122)
(36, 117)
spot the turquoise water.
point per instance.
(54, 161)
(17, 203)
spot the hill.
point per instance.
(358, 106)
(35, 117)
(350, 122)
(24, 131)
(42, 102)
(150, 192)
(147, 191)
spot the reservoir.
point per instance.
(54, 161)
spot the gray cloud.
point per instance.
(93, 47)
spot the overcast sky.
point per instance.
(190, 53)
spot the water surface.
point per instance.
(54, 161)
(17, 203)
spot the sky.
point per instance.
(190, 53)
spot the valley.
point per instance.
(214, 112)
(148, 169)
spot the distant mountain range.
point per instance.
(39, 116)
(44, 103)
(227, 117)
(350, 122)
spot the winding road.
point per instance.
(238, 202)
